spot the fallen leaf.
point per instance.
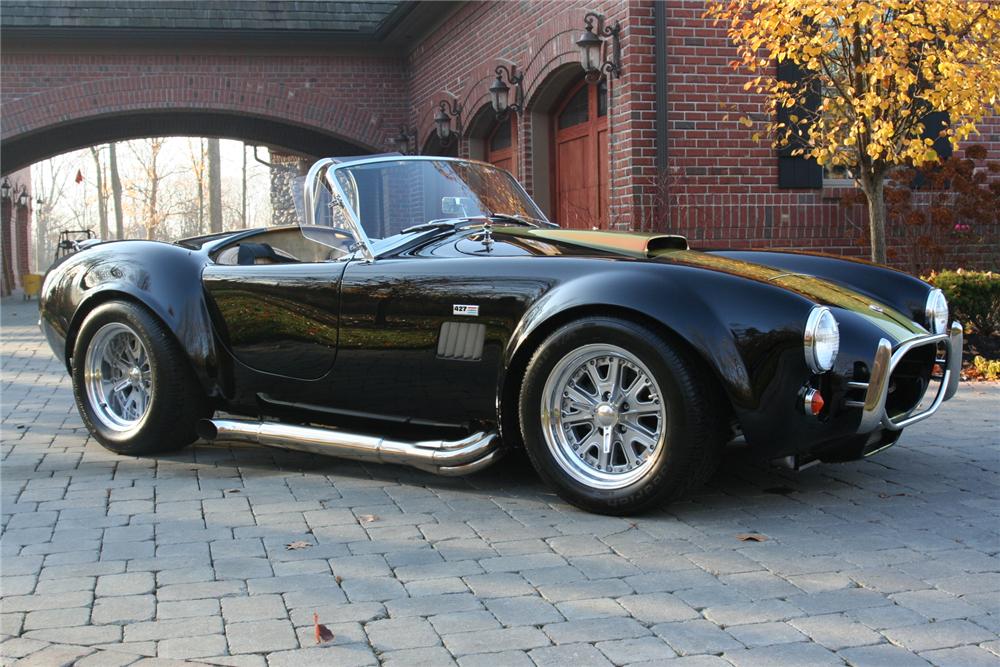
(299, 544)
(751, 537)
(339, 579)
(890, 495)
(367, 518)
(323, 633)
(232, 491)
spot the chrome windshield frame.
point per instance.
(324, 171)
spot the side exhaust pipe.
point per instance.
(442, 457)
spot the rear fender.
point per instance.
(164, 278)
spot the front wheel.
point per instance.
(617, 418)
(133, 385)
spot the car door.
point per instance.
(277, 319)
(422, 337)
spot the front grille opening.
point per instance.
(909, 381)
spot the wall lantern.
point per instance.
(442, 120)
(591, 42)
(405, 138)
(500, 91)
(5, 189)
(22, 199)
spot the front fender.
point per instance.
(747, 332)
(162, 277)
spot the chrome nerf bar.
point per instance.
(873, 412)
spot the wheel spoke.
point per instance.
(604, 458)
(638, 434)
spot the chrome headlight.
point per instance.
(821, 340)
(936, 312)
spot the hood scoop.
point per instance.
(633, 244)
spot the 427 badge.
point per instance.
(465, 310)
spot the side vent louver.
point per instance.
(461, 340)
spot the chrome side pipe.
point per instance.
(441, 457)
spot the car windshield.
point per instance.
(398, 197)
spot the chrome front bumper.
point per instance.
(873, 414)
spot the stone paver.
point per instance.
(109, 560)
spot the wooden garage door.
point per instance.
(500, 145)
(581, 158)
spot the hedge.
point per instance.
(973, 298)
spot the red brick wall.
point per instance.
(721, 189)
(362, 99)
(458, 59)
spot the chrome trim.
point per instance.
(809, 338)
(443, 457)
(807, 402)
(873, 411)
(310, 187)
(929, 313)
(953, 371)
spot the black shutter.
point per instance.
(934, 122)
(797, 171)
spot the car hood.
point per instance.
(668, 249)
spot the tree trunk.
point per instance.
(102, 200)
(214, 186)
(243, 207)
(116, 191)
(201, 187)
(874, 190)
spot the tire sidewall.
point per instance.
(648, 347)
(157, 415)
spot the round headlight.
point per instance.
(822, 339)
(936, 312)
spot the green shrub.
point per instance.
(973, 298)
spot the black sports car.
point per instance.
(427, 314)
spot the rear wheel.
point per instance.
(617, 418)
(133, 384)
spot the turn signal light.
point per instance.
(813, 402)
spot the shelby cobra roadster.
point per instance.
(426, 313)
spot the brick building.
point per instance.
(644, 148)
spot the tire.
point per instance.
(604, 454)
(146, 402)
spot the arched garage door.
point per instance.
(580, 179)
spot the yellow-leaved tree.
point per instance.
(867, 74)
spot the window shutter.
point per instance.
(797, 171)
(934, 122)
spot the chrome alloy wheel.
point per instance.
(603, 416)
(118, 377)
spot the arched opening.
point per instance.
(580, 169)
(494, 140)
(25, 149)
(434, 146)
(501, 145)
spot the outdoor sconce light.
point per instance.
(403, 140)
(442, 120)
(500, 91)
(22, 199)
(591, 42)
(5, 189)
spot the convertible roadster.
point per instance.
(426, 313)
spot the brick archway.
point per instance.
(68, 117)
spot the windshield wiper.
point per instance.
(517, 219)
(434, 224)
